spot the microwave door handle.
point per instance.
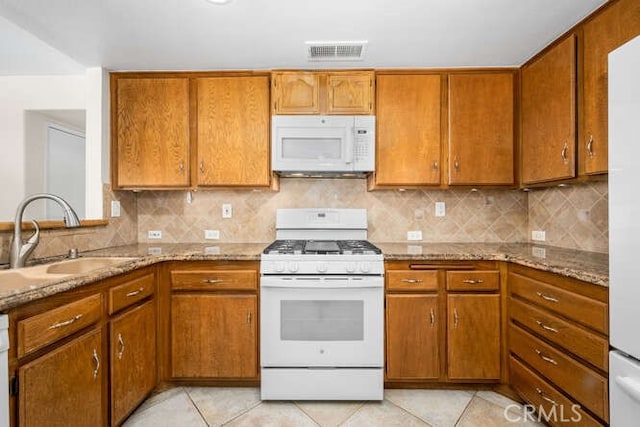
(349, 147)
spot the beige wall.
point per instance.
(573, 217)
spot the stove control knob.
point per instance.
(278, 267)
(351, 267)
(322, 267)
(293, 267)
(365, 267)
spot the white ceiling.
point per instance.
(258, 34)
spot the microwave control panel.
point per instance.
(364, 142)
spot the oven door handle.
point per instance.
(318, 285)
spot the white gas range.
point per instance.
(321, 308)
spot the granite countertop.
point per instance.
(590, 267)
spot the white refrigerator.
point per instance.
(624, 234)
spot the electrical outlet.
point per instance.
(155, 234)
(115, 209)
(414, 235)
(227, 210)
(440, 209)
(538, 235)
(212, 234)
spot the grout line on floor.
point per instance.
(186, 390)
(473, 396)
(409, 412)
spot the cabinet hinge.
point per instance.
(13, 386)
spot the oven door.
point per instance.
(321, 321)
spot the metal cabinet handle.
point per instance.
(435, 165)
(456, 163)
(97, 360)
(547, 328)
(545, 358)
(181, 166)
(66, 322)
(121, 346)
(541, 393)
(212, 281)
(563, 153)
(134, 293)
(202, 166)
(249, 318)
(590, 147)
(411, 280)
(455, 317)
(547, 297)
(473, 281)
(432, 317)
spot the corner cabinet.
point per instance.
(549, 115)
(214, 315)
(150, 132)
(313, 92)
(611, 28)
(409, 131)
(233, 124)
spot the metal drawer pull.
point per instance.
(411, 280)
(134, 293)
(212, 281)
(548, 399)
(181, 166)
(547, 328)
(590, 146)
(249, 318)
(97, 360)
(121, 345)
(202, 166)
(66, 322)
(473, 281)
(455, 317)
(435, 164)
(432, 317)
(546, 358)
(563, 153)
(547, 297)
(456, 163)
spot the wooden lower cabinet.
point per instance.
(133, 359)
(214, 336)
(473, 337)
(413, 341)
(65, 386)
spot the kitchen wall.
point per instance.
(482, 216)
(574, 217)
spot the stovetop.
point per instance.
(322, 247)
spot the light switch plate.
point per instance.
(115, 209)
(440, 209)
(155, 234)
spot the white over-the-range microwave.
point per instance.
(323, 145)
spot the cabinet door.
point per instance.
(350, 93)
(481, 129)
(613, 27)
(473, 332)
(213, 336)
(413, 347)
(296, 93)
(151, 136)
(549, 116)
(133, 359)
(233, 131)
(65, 386)
(408, 130)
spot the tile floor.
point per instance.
(209, 406)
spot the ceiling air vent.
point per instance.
(336, 51)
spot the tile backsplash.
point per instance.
(471, 216)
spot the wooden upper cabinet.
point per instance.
(233, 131)
(617, 24)
(335, 92)
(408, 122)
(549, 115)
(150, 136)
(350, 93)
(481, 118)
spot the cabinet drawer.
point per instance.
(131, 292)
(582, 343)
(547, 399)
(410, 280)
(583, 310)
(214, 280)
(43, 329)
(583, 384)
(473, 280)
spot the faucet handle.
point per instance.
(35, 237)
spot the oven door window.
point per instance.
(321, 320)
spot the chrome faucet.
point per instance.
(20, 250)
